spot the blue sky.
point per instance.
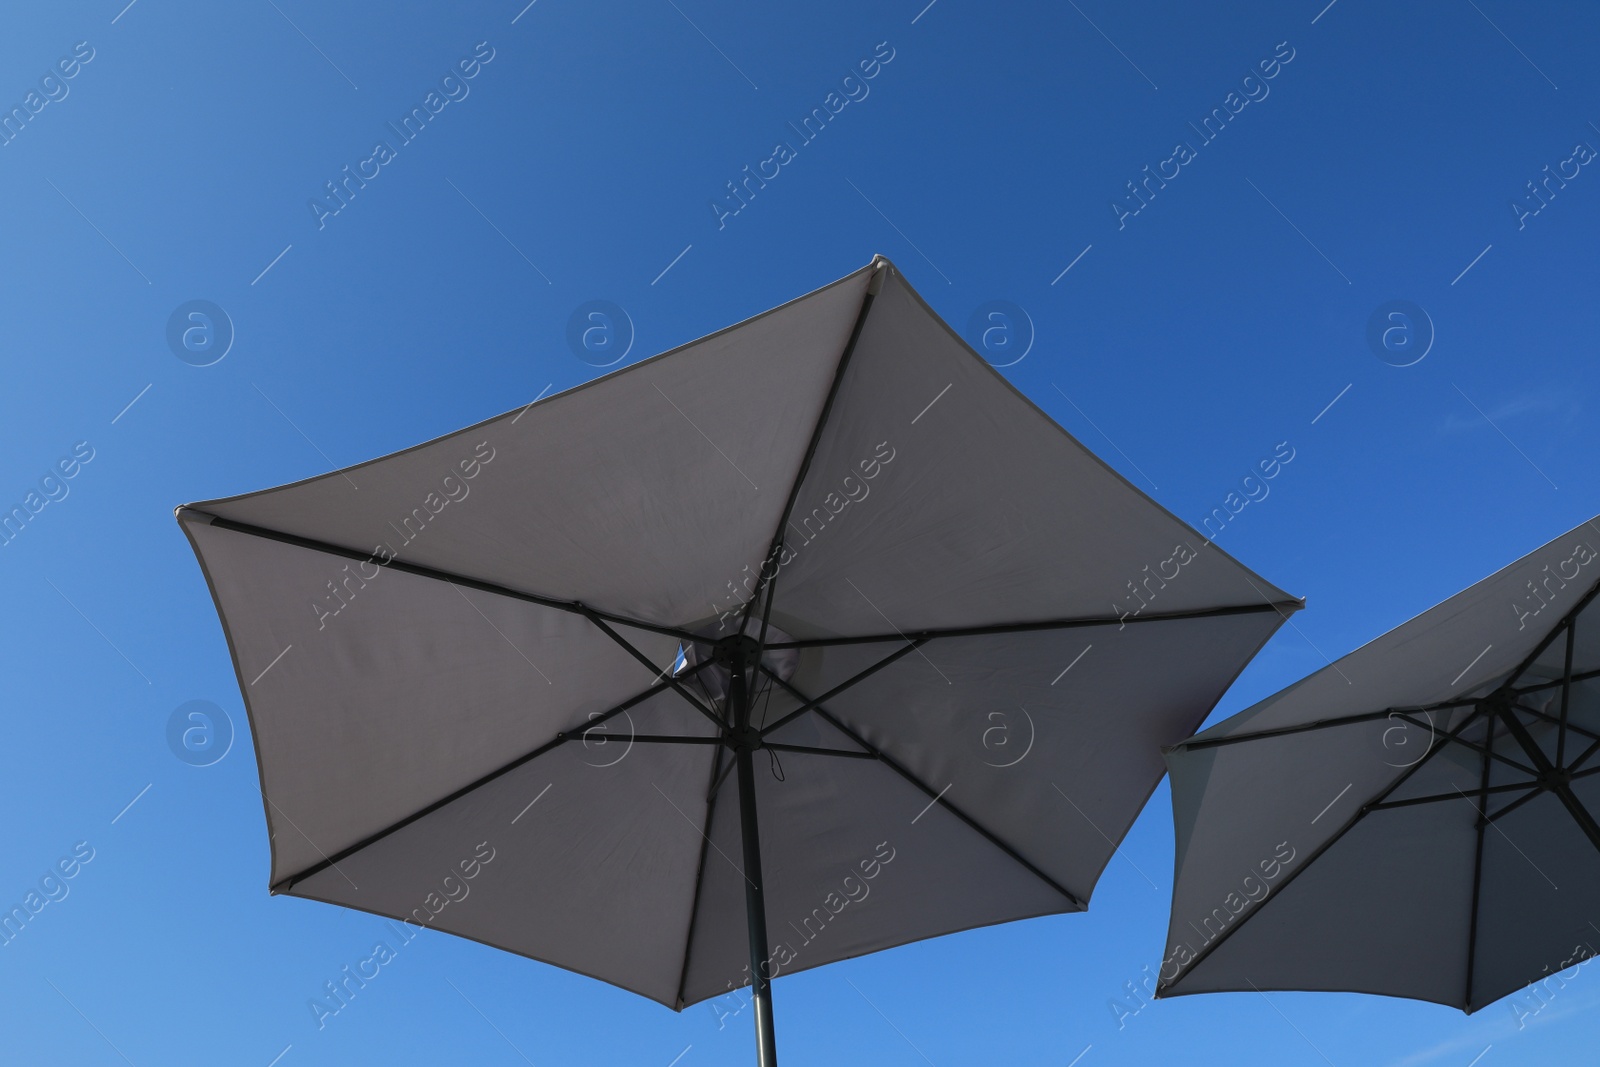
(1380, 162)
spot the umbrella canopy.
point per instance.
(1417, 819)
(830, 548)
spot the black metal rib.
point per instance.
(576, 733)
(1562, 790)
(672, 680)
(1482, 750)
(1581, 676)
(1437, 745)
(1566, 694)
(1536, 791)
(937, 797)
(1584, 756)
(700, 873)
(725, 740)
(775, 551)
(1052, 624)
(841, 687)
(1538, 650)
(1482, 823)
(716, 783)
(443, 576)
(813, 751)
(677, 739)
(1433, 798)
(1553, 720)
(1319, 724)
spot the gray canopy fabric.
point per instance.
(1413, 820)
(472, 648)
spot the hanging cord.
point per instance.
(700, 682)
(765, 696)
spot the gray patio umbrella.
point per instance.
(1415, 820)
(829, 548)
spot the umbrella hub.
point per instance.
(741, 653)
(740, 649)
(1555, 776)
(744, 738)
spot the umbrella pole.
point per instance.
(754, 897)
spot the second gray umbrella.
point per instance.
(1417, 819)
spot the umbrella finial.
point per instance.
(880, 270)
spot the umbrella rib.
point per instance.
(672, 680)
(700, 872)
(420, 571)
(561, 738)
(1538, 650)
(1507, 760)
(1432, 798)
(1562, 790)
(1581, 676)
(836, 690)
(1320, 724)
(1566, 693)
(776, 550)
(716, 783)
(1437, 745)
(1556, 721)
(938, 796)
(677, 739)
(1536, 791)
(1049, 624)
(1584, 756)
(812, 750)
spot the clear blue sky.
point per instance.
(1377, 164)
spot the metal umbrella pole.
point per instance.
(742, 653)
